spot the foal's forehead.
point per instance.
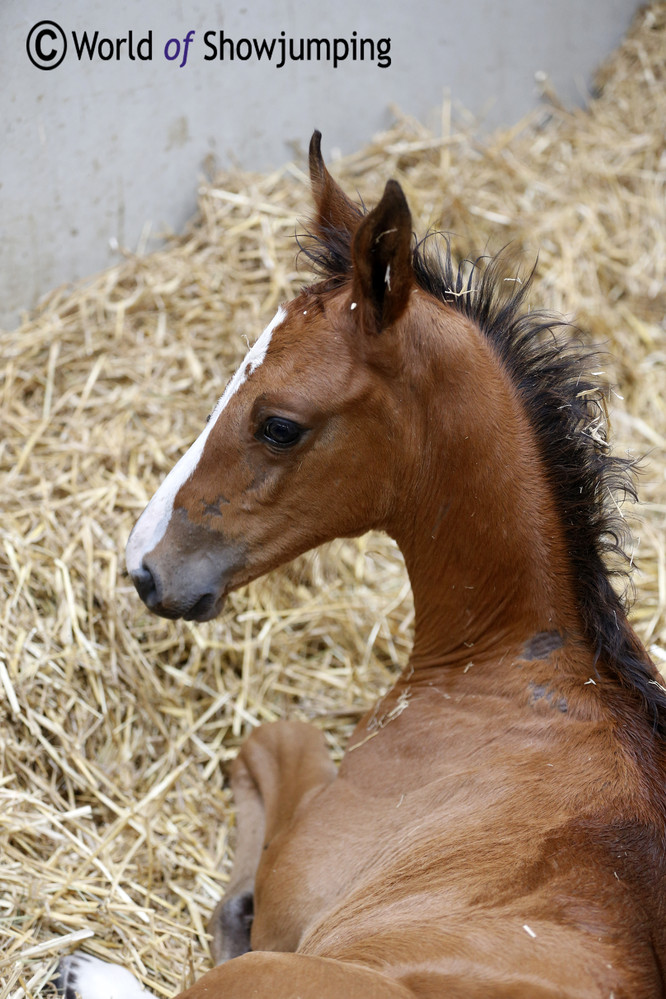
(311, 327)
(253, 360)
(313, 313)
(302, 333)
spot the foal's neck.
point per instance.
(480, 532)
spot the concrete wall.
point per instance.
(93, 149)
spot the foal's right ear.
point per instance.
(382, 261)
(334, 212)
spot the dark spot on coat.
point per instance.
(539, 692)
(542, 644)
(213, 509)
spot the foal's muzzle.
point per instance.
(199, 595)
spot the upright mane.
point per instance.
(566, 409)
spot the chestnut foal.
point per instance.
(497, 827)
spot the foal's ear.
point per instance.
(382, 260)
(333, 209)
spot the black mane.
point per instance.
(566, 409)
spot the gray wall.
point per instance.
(93, 150)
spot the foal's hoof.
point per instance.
(230, 926)
(80, 976)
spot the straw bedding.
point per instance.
(115, 725)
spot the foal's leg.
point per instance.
(231, 921)
(262, 975)
(271, 975)
(277, 766)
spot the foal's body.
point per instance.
(481, 842)
(497, 827)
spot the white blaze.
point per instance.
(153, 522)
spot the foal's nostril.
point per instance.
(145, 585)
(200, 608)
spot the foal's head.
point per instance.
(301, 446)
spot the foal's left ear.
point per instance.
(334, 212)
(382, 261)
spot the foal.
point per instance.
(497, 827)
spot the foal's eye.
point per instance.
(280, 432)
